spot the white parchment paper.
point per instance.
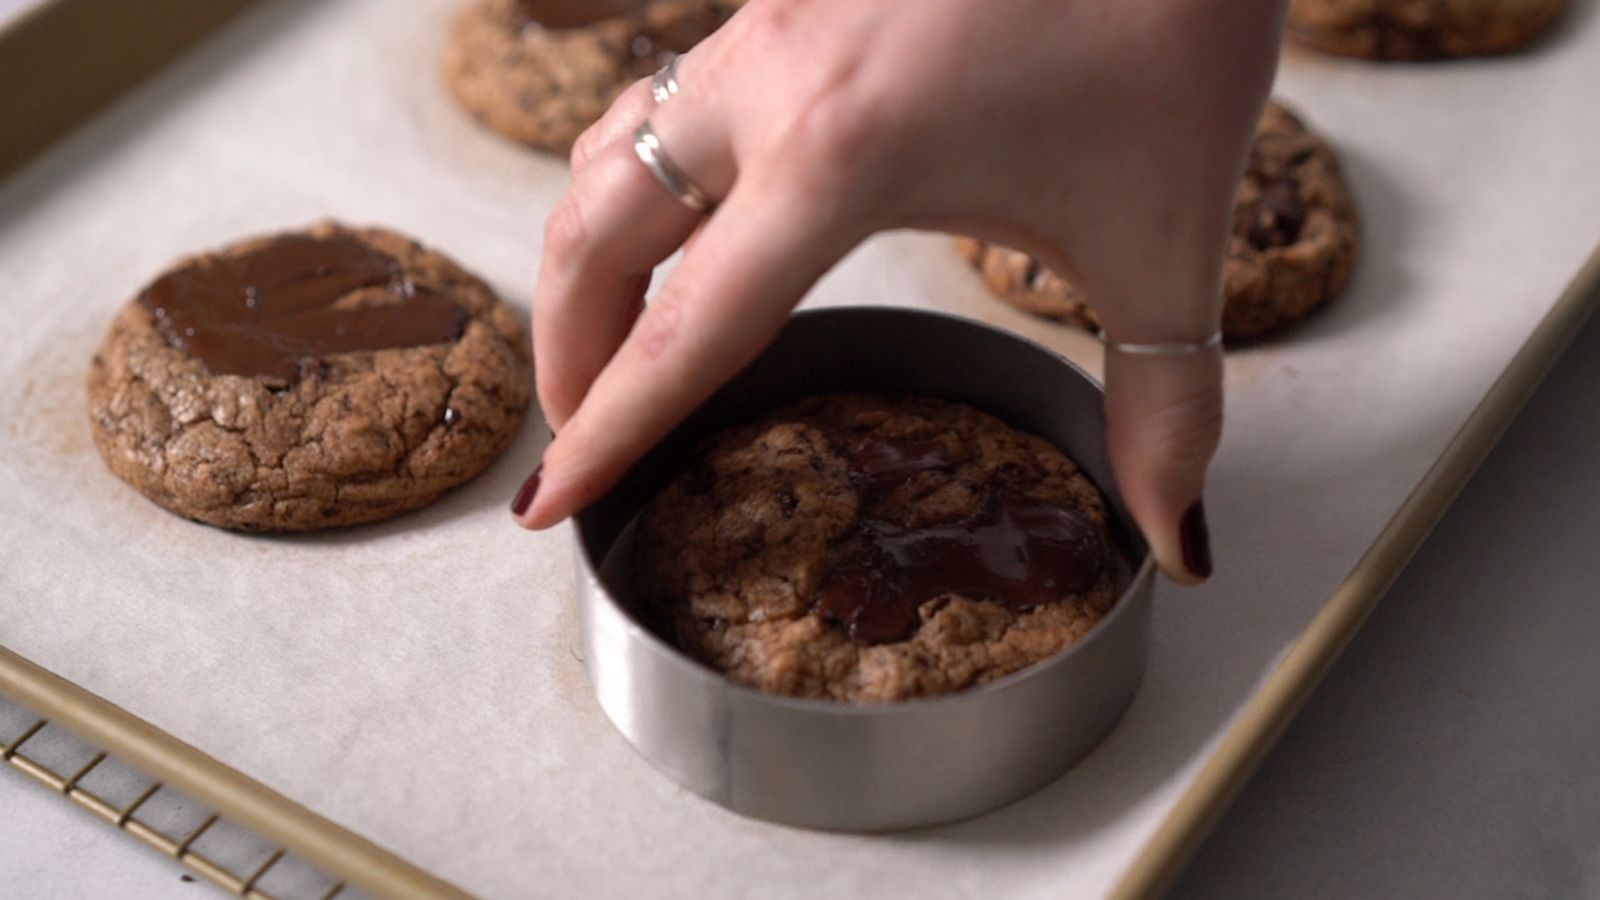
(415, 680)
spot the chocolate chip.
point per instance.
(1274, 220)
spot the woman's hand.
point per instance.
(1106, 138)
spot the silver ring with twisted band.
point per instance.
(664, 84)
(655, 158)
(1178, 348)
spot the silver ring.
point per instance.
(1178, 348)
(664, 84)
(655, 158)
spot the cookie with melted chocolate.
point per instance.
(1420, 29)
(871, 548)
(542, 71)
(307, 380)
(1292, 249)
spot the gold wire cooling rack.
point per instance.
(159, 815)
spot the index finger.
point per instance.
(751, 264)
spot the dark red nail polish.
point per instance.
(524, 497)
(1196, 541)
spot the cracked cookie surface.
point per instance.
(732, 560)
(544, 86)
(1292, 248)
(1420, 29)
(353, 437)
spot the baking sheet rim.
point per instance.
(42, 48)
(1274, 704)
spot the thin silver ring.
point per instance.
(1176, 348)
(664, 84)
(655, 158)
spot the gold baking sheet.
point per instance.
(413, 682)
(64, 61)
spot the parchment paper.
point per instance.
(416, 681)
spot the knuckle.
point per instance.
(552, 401)
(566, 237)
(835, 138)
(631, 105)
(829, 126)
(556, 390)
(771, 21)
(582, 149)
(1186, 430)
(659, 327)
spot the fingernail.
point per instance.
(1196, 541)
(524, 497)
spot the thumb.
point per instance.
(1164, 418)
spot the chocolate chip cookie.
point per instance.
(872, 548)
(1420, 29)
(306, 380)
(543, 85)
(1292, 249)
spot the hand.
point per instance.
(1106, 138)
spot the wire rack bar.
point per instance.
(179, 847)
(322, 850)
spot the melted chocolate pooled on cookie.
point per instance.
(268, 312)
(658, 43)
(556, 14)
(1017, 550)
(884, 464)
